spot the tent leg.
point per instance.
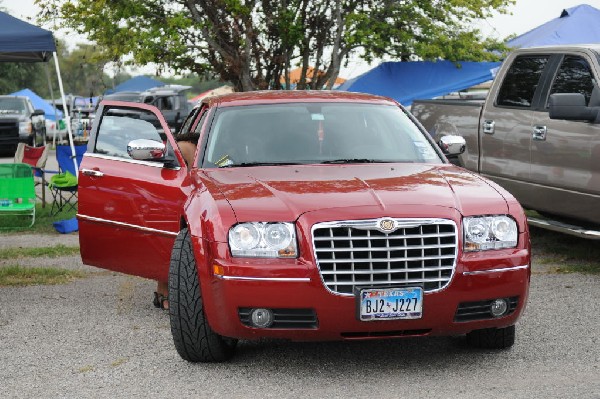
(66, 112)
(53, 104)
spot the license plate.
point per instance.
(391, 304)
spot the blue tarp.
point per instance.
(23, 42)
(139, 83)
(407, 81)
(40, 103)
(576, 25)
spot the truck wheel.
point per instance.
(194, 340)
(492, 338)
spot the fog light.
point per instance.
(499, 307)
(261, 318)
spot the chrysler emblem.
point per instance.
(387, 225)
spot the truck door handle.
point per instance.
(94, 173)
(539, 133)
(489, 126)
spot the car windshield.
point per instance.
(12, 106)
(314, 133)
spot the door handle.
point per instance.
(489, 126)
(93, 173)
(539, 133)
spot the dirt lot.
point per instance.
(99, 336)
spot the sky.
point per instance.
(524, 16)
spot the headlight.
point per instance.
(263, 240)
(25, 127)
(489, 232)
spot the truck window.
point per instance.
(521, 81)
(573, 76)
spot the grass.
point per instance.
(570, 254)
(42, 225)
(18, 276)
(45, 252)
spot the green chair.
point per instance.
(17, 194)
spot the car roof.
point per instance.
(294, 96)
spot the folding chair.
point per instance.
(63, 186)
(17, 194)
(36, 157)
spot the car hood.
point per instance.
(283, 193)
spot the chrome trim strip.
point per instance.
(273, 279)
(504, 269)
(131, 226)
(125, 160)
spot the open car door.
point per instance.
(132, 186)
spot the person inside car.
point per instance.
(187, 143)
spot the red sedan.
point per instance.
(305, 216)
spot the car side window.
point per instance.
(521, 81)
(119, 126)
(573, 76)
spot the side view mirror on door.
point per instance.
(572, 106)
(452, 145)
(146, 150)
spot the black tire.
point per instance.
(492, 338)
(194, 340)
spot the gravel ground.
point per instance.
(99, 337)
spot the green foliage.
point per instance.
(571, 254)
(253, 43)
(23, 276)
(37, 252)
(43, 221)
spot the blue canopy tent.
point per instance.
(576, 25)
(138, 83)
(23, 42)
(39, 103)
(407, 81)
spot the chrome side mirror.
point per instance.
(452, 145)
(146, 150)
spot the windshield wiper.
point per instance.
(355, 160)
(248, 164)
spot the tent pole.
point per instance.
(53, 104)
(67, 116)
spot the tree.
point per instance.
(253, 43)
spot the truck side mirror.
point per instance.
(571, 106)
(38, 112)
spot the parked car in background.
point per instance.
(172, 102)
(305, 216)
(131, 96)
(537, 134)
(20, 122)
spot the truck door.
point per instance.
(505, 130)
(565, 155)
(129, 210)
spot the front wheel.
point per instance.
(492, 338)
(194, 340)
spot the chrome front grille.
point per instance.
(414, 252)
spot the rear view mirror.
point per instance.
(38, 112)
(146, 150)
(571, 106)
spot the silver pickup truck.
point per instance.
(537, 134)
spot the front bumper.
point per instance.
(297, 284)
